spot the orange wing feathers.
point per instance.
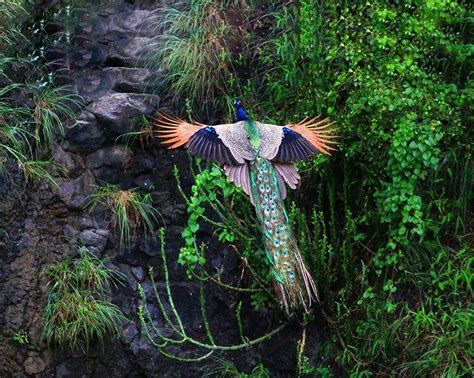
(317, 133)
(175, 131)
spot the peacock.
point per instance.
(260, 158)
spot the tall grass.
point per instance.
(9, 11)
(24, 132)
(78, 311)
(41, 170)
(199, 49)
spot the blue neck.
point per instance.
(241, 115)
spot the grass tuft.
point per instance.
(226, 368)
(78, 310)
(52, 106)
(41, 170)
(145, 134)
(129, 208)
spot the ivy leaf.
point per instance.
(194, 227)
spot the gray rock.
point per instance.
(130, 54)
(167, 210)
(129, 333)
(145, 182)
(137, 46)
(96, 240)
(133, 22)
(143, 163)
(101, 371)
(161, 197)
(94, 55)
(72, 164)
(131, 80)
(73, 367)
(94, 85)
(70, 232)
(138, 272)
(149, 245)
(131, 279)
(115, 157)
(85, 135)
(30, 225)
(7, 203)
(119, 112)
(34, 365)
(86, 222)
(74, 193)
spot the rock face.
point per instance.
(44, 226)
(74, 193)
(86, 134)
(120, 112)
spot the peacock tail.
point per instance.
(293, 283)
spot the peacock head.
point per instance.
(237, 102)
(240, 113)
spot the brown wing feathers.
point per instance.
(316, 132)
(289, 173)
(175, 131)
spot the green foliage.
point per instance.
(214, 200)
(52, 106)
(226, 368)
(385, 224)
(27, 133)
(78, 310)
(204, 191)
(21, 337)
(129, 208)
(432, 336)
(399, 91)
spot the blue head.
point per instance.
(240, 113)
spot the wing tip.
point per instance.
(318, 132)
(174, 131)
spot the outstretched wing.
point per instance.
(295, 142)
(224, 143)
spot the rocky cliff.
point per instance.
(43, 226)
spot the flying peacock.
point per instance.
(260, 159)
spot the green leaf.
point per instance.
(194, 227)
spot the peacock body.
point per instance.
(260, 158)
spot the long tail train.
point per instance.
(294, 285)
